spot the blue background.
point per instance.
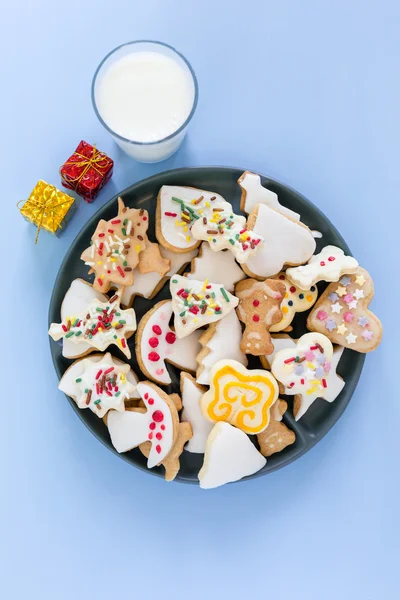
(306, 92)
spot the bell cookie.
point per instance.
(259, 308)
(342, 313)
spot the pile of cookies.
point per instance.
(248, 279)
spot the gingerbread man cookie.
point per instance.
(330, 264)
(342, 313)
(277, 436)
(115, 247)
(240, 396)
(159, 425)
(259, 308)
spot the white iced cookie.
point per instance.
(221, 340)
(148, 284)
(229, 456)
(159, 425)
(157, 344)
(99, 382)
(329, 265)
(254, 193)
(198, 303)
(287, 242)
(280, 342)
(185, 215)
(309, 370)
(295, 300)
(216, 266)
(191, 394)
(98, 325)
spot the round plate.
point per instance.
(320, 417)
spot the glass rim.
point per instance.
(171, 135)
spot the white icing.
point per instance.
(330, 270)
(229, 456)
(279, 343)
(223, 344)
(145, 283)
(286, 242)
(220, 266)
(191, 412)
(78, 296)
(127, 431)
(87, 370)
(181, 352)
(182, 231)
(309, 383)
(298, 304)
(257, 194)
(201, 289)
(316, 234)
(88, 321)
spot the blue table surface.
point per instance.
(306, 92)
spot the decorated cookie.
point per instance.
(254, 193)
(295, 300)
(148, 285)
(240, 396)
(157, 344)
(99, 325)
(171, 463)
(198, 303)
(309, 371)
(221, 340)
(192, 393)
(229, 456)
(99, 382)
(277, 436)
(216, 266)
(185, 215)
(259, 308)
(342, 313)
(329, 265)
(159, 425)
(287, 242)
(78, 296)
(115, 247)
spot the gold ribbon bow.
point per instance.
(87, 162)
(46, 207)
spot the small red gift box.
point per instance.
(86, 171)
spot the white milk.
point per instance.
(146, 97)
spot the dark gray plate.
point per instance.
(318, 419)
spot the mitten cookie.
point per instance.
(229, 456)
(309, 371)
(342, 313)
(286, 242)
(330, 264)
(240, 396)
(157, 344)
(259, 308)
(99, 382)
(254, 193)
(97, 326)
(198, 303)
(115, 247)
(159, 425)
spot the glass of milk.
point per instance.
(145, 94)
